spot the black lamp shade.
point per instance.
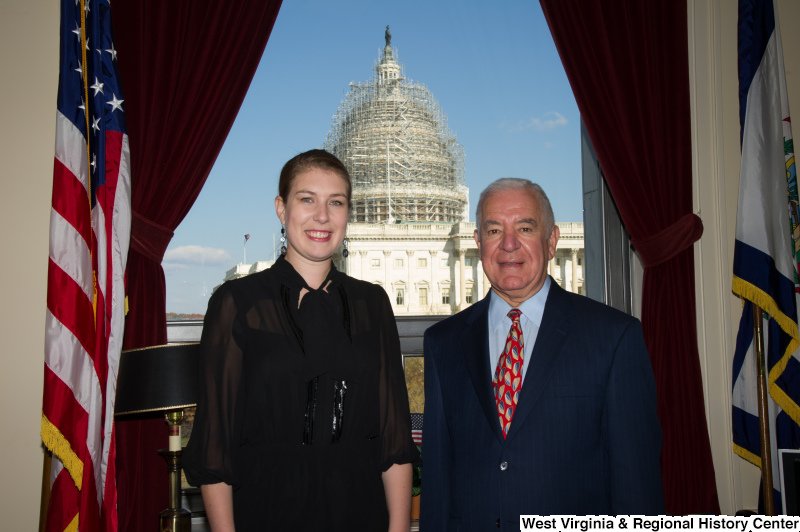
(157, 378)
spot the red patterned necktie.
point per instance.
(508, 375)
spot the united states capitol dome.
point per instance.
(405, 163)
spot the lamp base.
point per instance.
(175, 520)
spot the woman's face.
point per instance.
(315, 215)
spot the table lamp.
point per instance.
(162, 378)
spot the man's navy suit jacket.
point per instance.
(585, 437)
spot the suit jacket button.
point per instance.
(497, 523)
(503, 467)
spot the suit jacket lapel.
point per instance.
(475, 346)
(553, 332)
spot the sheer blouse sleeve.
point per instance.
(397, 446)
(211, 452)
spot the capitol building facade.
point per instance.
(435, 268)
(409, 230)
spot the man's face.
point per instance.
(513, 244)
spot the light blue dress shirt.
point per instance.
(530, 320)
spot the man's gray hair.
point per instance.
(516, 183)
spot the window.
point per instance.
(558, 262)
(445, 296)
(580, 290)
(467, 261)
(579, 261)
(423, 297)
(398, 263)
(469, 295)
(364, 266)
(422, 262)
(400, 297)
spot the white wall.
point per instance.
(716, 154)
(28, 84)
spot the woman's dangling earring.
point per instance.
(345, 253)
(283, 241)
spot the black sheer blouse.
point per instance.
(301, 409)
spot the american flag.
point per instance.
(90, 224)
(247, 237)
(416, 428)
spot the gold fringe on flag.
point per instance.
(754, 294)
(60, 447)
(747, 455)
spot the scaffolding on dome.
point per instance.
(405, 163)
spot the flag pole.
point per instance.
(763, 413)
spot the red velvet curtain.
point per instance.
(185, 66)
(627, 63)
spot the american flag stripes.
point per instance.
(89, 239)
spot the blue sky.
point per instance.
(495, 72)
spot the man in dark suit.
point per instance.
(537, 400)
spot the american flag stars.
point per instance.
(116, 105)
(97, 87)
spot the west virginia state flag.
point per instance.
(765, 262)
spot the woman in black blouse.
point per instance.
(303, 422)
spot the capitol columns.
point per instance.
(409, 283)
(575, 270)
(436, 298)
(386, 279)
(362, 263)
(481, 283)
(557, 270)
(462, 282)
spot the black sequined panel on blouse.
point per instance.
(318, 382)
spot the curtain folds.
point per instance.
(627, 63)
(185, 66)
